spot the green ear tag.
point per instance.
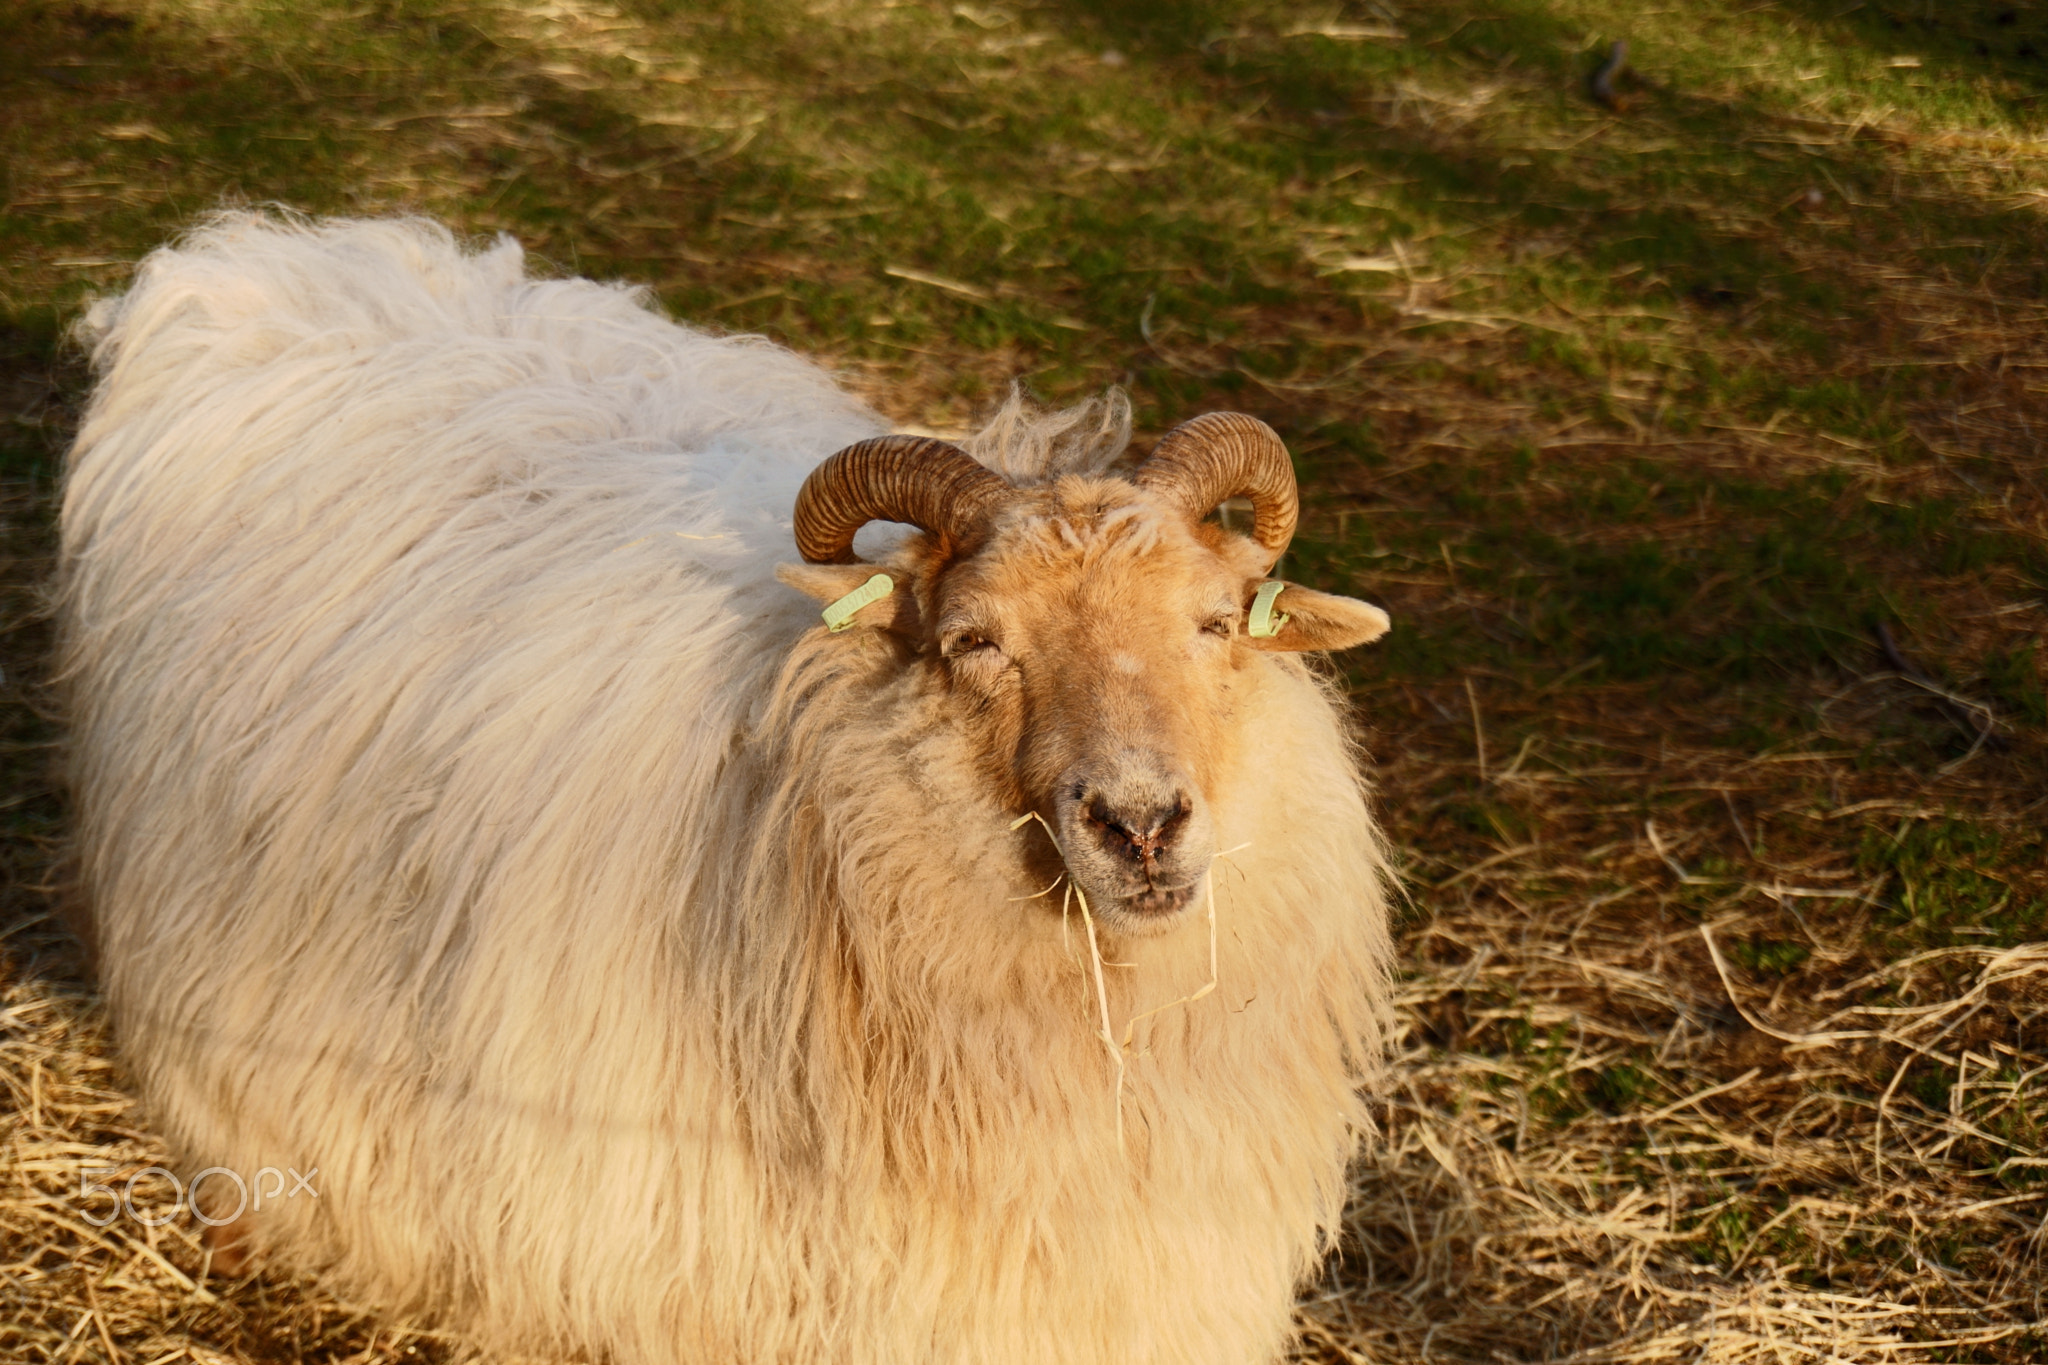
(839, 615)
(1265, 623)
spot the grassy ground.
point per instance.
(1690, 437)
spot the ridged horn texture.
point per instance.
(931, 484)
(1223, 455)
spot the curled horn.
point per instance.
(931, 484)
(1223, 455)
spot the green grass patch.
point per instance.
(1947, 882)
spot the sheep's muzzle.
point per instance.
(1136, 835)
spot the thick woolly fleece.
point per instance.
(464, 811)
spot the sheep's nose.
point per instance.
(1135, 832)
(1142, 829)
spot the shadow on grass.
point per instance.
(1697, 209)
(1714, 222)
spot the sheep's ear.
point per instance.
(1314, 621)
(829, 584)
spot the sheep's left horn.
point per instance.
(931, 484)
(1226, 455)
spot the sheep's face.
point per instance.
(1091, 652)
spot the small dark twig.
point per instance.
(1891, 652)
(1601, 86)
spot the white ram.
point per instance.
(465, 810)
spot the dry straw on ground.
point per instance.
(1674, 1161)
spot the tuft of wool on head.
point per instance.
(1028, 444)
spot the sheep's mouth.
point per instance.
(1145, 911)
(1159, 902)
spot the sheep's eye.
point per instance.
(1226, 626)
(960, 642)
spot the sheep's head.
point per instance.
(1087, 637)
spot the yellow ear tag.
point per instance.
(1265, 623)
(839, 616)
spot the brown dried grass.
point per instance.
(1843, 1173)
(1610, 1139)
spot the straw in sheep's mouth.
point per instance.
(1120, 1052)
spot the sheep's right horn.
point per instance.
(931, 484)
(1226, 455)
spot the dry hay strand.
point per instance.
(1120, 1054)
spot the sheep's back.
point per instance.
(410, 609)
